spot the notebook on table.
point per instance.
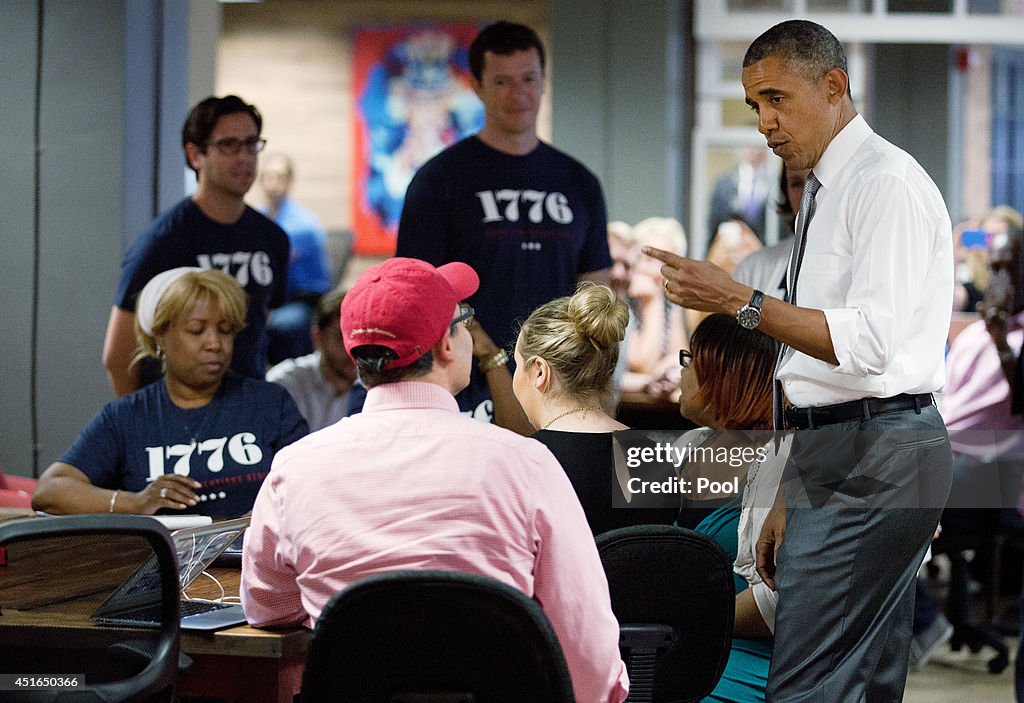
(136, 603)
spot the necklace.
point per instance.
(193, 420)
(570, 412)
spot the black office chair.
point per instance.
(54, 574)
(434, 637)
(672, 592)
(982, 532)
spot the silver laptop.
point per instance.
(136, 603)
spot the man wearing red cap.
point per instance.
(410, 483)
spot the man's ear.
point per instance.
(194, 155)
(838, 84)
(444, 350)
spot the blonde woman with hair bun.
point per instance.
(565, 359)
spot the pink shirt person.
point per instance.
(976, 404)
(410, 483)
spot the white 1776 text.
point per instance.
(535, 202)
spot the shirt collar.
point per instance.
(841, 149)
(409, 394)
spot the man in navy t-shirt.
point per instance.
(528, 218)
(213, 228)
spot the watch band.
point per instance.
(493, 362)
(756, 300)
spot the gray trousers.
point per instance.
(864, 498)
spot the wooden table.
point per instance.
(242, 663)
(238, 664)
(643, 412)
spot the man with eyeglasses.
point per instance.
(410, 483)
(212, 228)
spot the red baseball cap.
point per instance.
(405, 305)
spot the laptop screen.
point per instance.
(196, 548)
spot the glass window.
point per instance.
(984, 7)
(756, 5)
(1008, 127)
(736, 113)
(940, 7)
(852, 6)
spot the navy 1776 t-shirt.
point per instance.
(529, 225)
(227, 445)
(253, 250)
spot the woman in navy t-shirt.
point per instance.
(200, 440)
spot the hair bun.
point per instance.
(598, 315)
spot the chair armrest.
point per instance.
(18, 483)
(15, 499)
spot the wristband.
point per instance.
(113, 497)
(499, 359)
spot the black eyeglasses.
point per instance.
(466, 317)
(230, 146)
(685, 357)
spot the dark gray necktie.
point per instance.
(803, 219)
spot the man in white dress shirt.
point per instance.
(865, 342)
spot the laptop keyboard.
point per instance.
(194, 607)
(152, 616)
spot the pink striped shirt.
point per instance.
(410, 483)
(976, 405)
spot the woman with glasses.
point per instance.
(565, 358)
(726, 386)
(200, 440)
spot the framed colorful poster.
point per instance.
(413, 96)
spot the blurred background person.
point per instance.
(971, 243)
(565, 356)
(320, 382)
(623, 250)
(986, 431)
(765, 269)
(199, 440)
(726, 386)
(309, 268)
(659, 330)
(743, 192)
(733, 241)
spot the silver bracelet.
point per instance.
(113, 498)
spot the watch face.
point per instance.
(749, 317)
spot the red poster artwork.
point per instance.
(413, 97)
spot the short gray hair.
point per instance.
(803, 42)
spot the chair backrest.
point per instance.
(54, 573)
(418, 636)
(672, 592)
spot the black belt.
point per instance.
(863, 409)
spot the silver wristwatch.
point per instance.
(749, 316)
